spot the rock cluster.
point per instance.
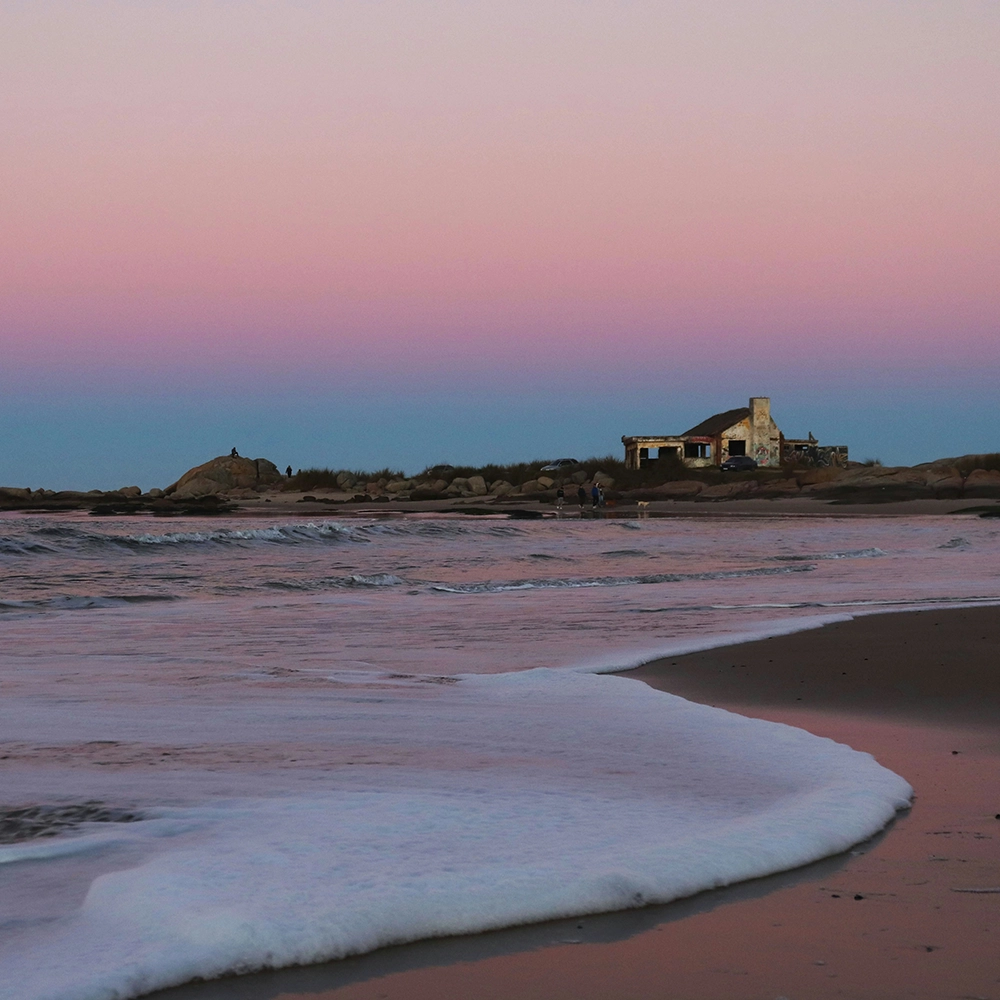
(202, 490)
(438, 486)
(863, 484)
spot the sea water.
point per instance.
(333, 735)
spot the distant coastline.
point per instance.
(231, 484)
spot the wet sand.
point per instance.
(893, 918)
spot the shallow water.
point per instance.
(292, 707)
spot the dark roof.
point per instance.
(719, 423)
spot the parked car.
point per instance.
(738, 463)
(560, 463)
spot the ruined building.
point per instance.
(748, 430)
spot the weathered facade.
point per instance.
(748, 430)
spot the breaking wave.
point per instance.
(59, 539)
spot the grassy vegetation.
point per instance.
(326, 479)
(664, 471)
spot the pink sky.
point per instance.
(417, 187)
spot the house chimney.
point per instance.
(760, 424)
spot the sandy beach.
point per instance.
(896, 917)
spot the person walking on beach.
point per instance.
(600, 495)
(288, 472)
(595, 496)
(560, 498)
(581, 495)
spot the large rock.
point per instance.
(477, 486)
(728, 491)
(982, 484)
(778, 488)
(680, 488)
(223, 475)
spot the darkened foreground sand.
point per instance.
(921, 692)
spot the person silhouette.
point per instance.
(234, 454)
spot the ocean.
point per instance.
(246, 743)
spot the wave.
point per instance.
(901, 604)
(872, 553)
(492, 587)
(80, 602)
(956, 543)
(438, 529)
(340, 582)
(59, 539)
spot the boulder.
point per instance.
(155, 494)
(501, 488)
(579, 477)
(728, 491)
(682, 488)
(531, 486)
(545, 482)
(812, 477)
(603, 479)
(946, 481)
(399, 486)
(130, 491)
(779, 488)
(477, 486)
(198, 487)
(223, 474)
(983, 484)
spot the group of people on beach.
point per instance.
(596, 497)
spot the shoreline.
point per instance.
(292, 505)
(926, 706)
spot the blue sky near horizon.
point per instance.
(362, 234)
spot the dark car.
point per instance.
(738, 463)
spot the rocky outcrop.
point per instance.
(983, 484)
(225, 474)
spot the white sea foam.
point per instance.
(630, 796)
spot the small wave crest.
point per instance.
(82, 602)
(955, 543)
(872, 553)
(494, 587)
(362, 580)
